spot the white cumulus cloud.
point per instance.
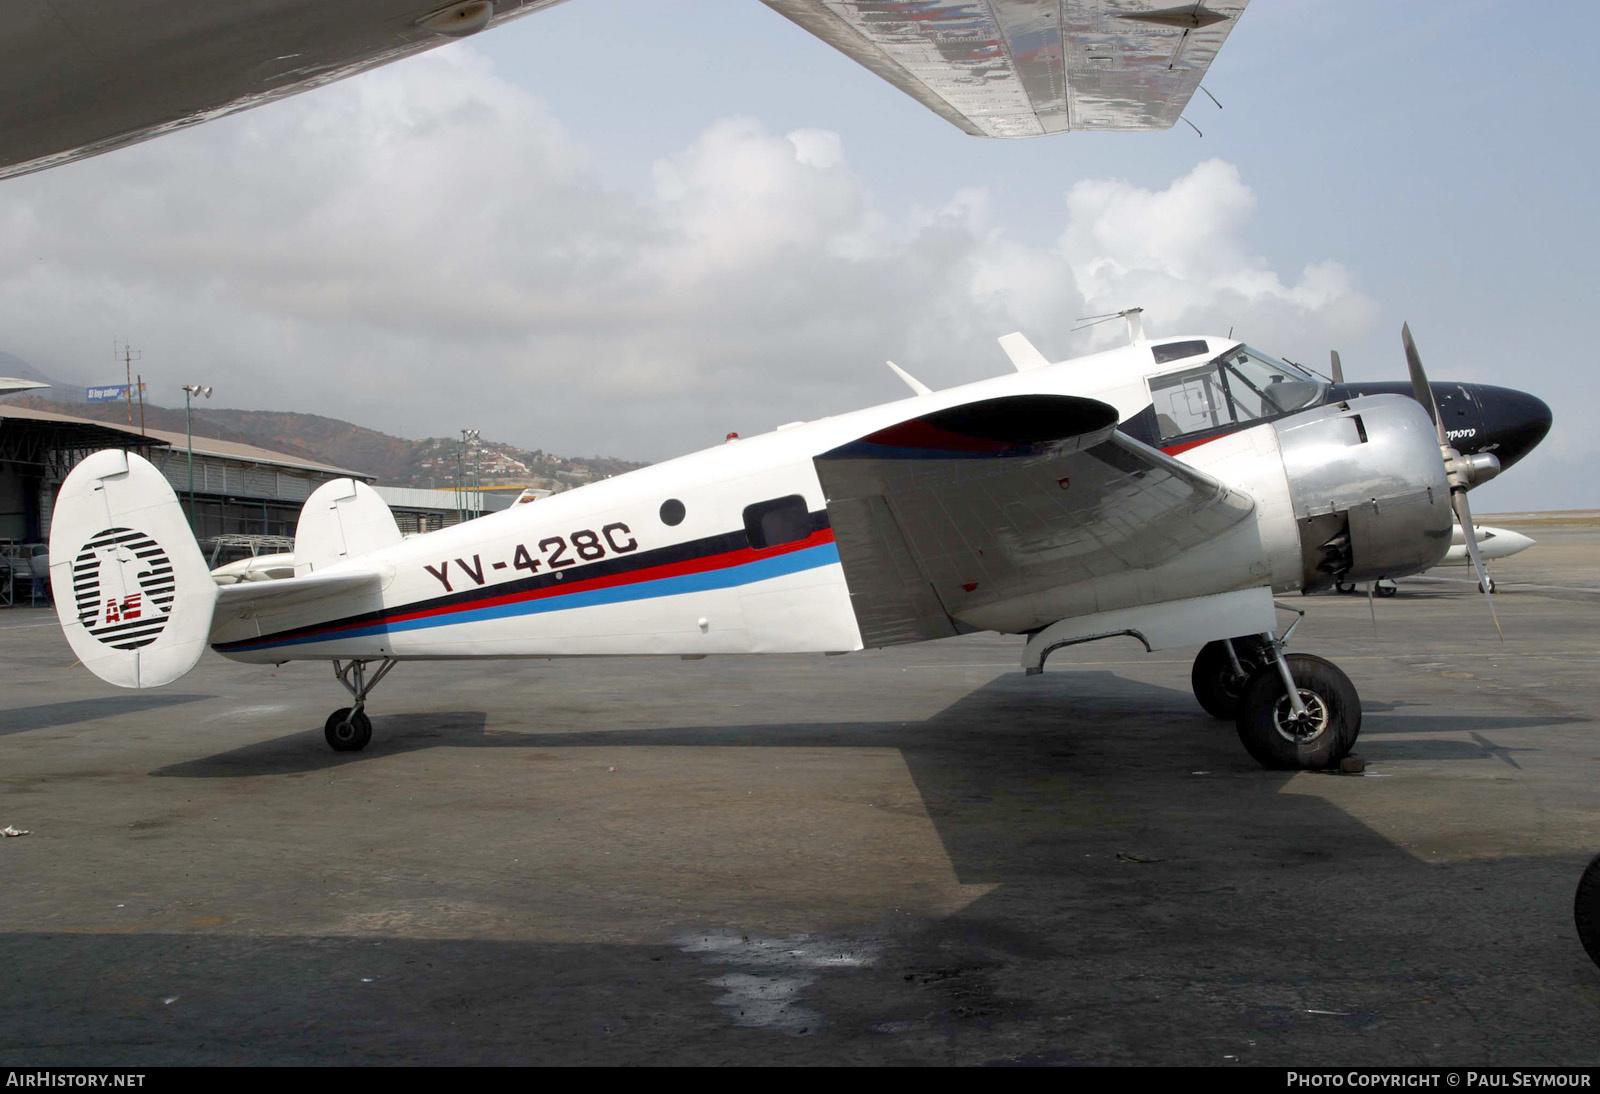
(426, 247)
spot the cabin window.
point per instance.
(774, 523)
(1177, 351)
(1190, 401)
(672, 512)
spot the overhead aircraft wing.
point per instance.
(941, 516)
(80, 77)
(1026, 68)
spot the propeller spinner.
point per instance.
(1461, 471)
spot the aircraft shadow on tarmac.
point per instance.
(71, 711)
(1070, 751)
(1144, 867)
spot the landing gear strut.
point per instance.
(1222, 669)
(348, 729)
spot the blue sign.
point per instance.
(111, 393)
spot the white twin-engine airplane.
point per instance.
(1007, 505)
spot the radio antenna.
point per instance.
(1132, 315)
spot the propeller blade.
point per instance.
(1338, 369)
(1420, 389)
(1469, 531)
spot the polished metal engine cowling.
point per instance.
(1369, 490)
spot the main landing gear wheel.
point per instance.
(1283, 741)
(1586, 909)
(1347, 588)
(1216, 685)
(348, 730)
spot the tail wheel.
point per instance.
(347, 730)
(1586, 909)
(1215, 684)
(1279, 739)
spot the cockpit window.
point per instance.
(1239, 387)
(1265, 387)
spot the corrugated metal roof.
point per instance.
(203, 446)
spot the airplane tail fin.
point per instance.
(132, 591)
(342, 519)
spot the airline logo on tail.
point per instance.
(123, 584)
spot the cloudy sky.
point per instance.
(624, 227)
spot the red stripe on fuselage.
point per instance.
(1186, 445)
(667, 569)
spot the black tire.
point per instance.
(1586, 909)
(1493, 588)
(1344, 588)
(1268, 732)
(1215, 684)
(1385, 590)
(346, 731)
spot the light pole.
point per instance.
(189, 391)
(468, 437)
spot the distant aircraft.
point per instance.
(1493, 543)
(1009, 504)
(85, 77)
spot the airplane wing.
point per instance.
(80, 77)
(944, 517)
(1026, 68)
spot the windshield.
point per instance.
(1239, 387)
(1264, 387)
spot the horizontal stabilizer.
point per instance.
(294, 590)
(256, 568)
(133, 593)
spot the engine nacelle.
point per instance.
(1368, 486)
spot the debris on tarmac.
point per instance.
(1353, 764)
(11, 830)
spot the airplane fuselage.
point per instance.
(732, 550)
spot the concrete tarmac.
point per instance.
(909, 856)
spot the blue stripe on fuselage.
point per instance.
(825, 554)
